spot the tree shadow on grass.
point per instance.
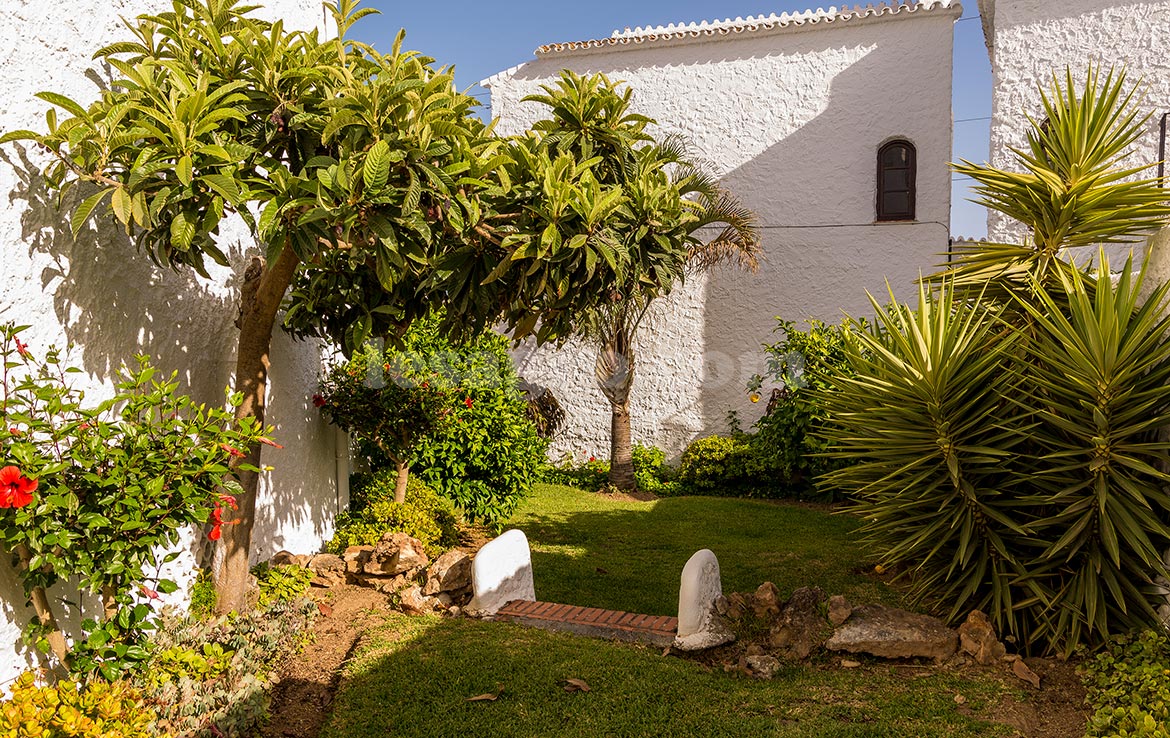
(631, 559)
(415, 678)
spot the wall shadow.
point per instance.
(111, 302)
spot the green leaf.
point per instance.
(82, 213)
(376, 169)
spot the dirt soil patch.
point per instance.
(303, 698)
(1055, 710)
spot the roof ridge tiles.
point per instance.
(697, 29)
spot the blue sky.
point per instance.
(482, 38)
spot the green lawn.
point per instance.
(412, 677)
(590, 550)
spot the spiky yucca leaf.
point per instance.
(1072, 190)
(930, 435)
(1097, 379)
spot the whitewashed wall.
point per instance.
(1029, 40)
(107, 302)
(791, 117)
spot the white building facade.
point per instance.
(1031, 40)
(791, 112)
(105, 301)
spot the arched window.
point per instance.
(896, 167)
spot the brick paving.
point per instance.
(654, 630)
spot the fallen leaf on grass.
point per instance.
(1020, 669)
(960, 699)
(576, 685)
(601, 571)
(325, 609)
(488, 696)
(850, 664)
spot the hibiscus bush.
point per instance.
(97, 495)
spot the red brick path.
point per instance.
(657, 630)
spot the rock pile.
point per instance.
(775, 630)
(399, 566)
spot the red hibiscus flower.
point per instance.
(270, 442)
(22, 348)
(232, 450)
(15, 488)
(318, 401)
(216, 524)
(149, 593)
(468, 402)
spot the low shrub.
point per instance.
(187, 662)
(215, 675)
(728, 466)
(71, 710)
(651, 472)
(590, 475)
(373, 513)
(281, 583)
(1128, 687)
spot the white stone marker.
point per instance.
(501, 572)
(699, 626)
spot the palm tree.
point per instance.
(613, 327)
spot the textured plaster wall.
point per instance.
(1032, 39)
(106, 302)
(791, 120)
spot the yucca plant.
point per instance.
(1097, 382)
(1006, 430)
(1071, 187)
(931, 447)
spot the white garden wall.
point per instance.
(790, 113)
(1029, 40)
(107, 302)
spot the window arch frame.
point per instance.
(881, 213)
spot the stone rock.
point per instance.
(451, 572)
(766, 601)
(800, 628)
(397, 553)
(444, 600)
(355, 558)
(502, 572)
(894, 634)
(763, 666)
(699, 625)
(1021, 670)
(849, 664)
(302, 560)
(839, 610)
(386, 585)
(736, 605)
(414, 602)
(328, 570)
(977, 639)
(282, 558)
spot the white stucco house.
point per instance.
(1029, 40)
(833, 126)
(107, 302)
